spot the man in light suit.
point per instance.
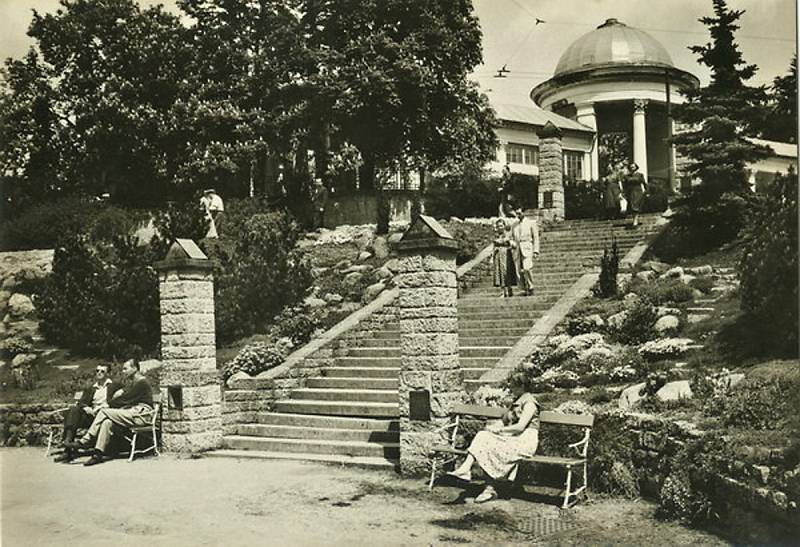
(525, 237)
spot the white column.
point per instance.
(586, 116)
(640, 135)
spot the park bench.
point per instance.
(150, 430)
(449, 452)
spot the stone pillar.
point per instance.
(640, 135)
(551, 173)
(431, 380)
(586, 116)
(190, 388)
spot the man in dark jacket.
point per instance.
(128, 407)
(81, 415)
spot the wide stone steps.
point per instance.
(317, 433)
(355, 382)
(345, 395)
(347, 413)
(333, 459)
(339, 408)
(387, 450)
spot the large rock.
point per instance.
(353, 277)
(646, 275)
(394, 238)
(630, 300)
(9, 283)
(317, 272)
(656, 266)
(384, 273)
(631, 395)
(380, 247)
(701, 270)
(392, 265)
(623, 282)
(661, 311)
(333, 298)
(674, 391)
(667, 324)
(360, 268)
(20, 305)
(342, 264)
(371, 292)
(363, 241)
(22, 360)
(314, 302)
(676, 272)
(616, 320)
(364, 255)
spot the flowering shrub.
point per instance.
(762, 404)
(666, 347)
(573, 407)
(258, 357)
(637, 325)
(14, 346)
(492, 396)
(297, 323)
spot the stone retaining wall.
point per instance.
(28, 424)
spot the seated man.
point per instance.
(128, 407)
(83, 412)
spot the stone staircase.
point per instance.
(347, 411)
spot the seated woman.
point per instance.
(499, 448)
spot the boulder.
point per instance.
(394, 238)
(646, 275)
(333, 298)
(623, 282)
(9, 283)
(22, 359)
(317, 272)
(595, 320)
(364, 255)
(384, 273)
(661, 311)
(20, 305)
(360, 268)
(456, 220)
(656, 266)
(693, 318)
(701, 270)
(667, 324)
(349, 307)
(314, 302)
(687, 278)
(371, 292)
(237, 377)
(673, 391)
(631, 395)
(676, 272)
(363, 241)
(353, 277)
(630, 300)
(342, 264)
(392, 265)
(697, 293)
(731, 380)
(616, 320)
(380, 247)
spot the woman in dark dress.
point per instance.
(634, 187)
(612, 189)
(503, 271)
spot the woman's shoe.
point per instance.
(94, 460)
(460, 475)
(488, 494)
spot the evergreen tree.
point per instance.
(720, 116)
(780, 122)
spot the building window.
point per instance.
(525, 154)
(573, 165)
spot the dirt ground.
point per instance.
(172, 501)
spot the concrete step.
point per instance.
(336, 459)
(486, 351)
(483, 341)
(345, 395)
(354, 382)
(486, 323)
(394, 332)
(371, 362)
(317, 433)
(478, 362)
(514, 305)
(327, 422)
(375, 342)
(361, 372)
(386, 351)
(342, 448)
(491, 332)
(486, 315)
(339, 408)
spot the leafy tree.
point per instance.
(720, 116)
(780, 121)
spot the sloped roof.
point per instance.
(533, 115)
(783, 149)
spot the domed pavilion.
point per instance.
(619, 81)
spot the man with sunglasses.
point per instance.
(81, 415)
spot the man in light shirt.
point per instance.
(81, 415)
(525, 238)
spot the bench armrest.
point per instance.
(582, 445)
(478, 411)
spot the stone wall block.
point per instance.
(192, 378)
(202, 323)
(429, 297)
(433, 312)
(192, 413)
(187, 305)
(193, 426)
(205, 364)
(186, 289)
(188, 339)
(193, 442)
(442, 279)
(188, 352)
(428, 344)
(431, 325)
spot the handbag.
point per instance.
(623, 204)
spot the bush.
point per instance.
(468, 246)
(639, 324)
(101, 300)
(263, 274)
(768, 266)
(15, 345)
(609, 268)
(761, 404)
(656, 198)
(258, 357)
(611, 468)
(678, 499)
(297, 323)
(663, 291)
(472, 193)
(583, 199)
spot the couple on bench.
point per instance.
(501, 446)
(103, 405)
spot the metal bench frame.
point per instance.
(449, 453)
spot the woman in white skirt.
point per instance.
(499, 448)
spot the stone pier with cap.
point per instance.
(551, 173)
(190, 388)
(430, 379)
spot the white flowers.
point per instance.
(665, 347)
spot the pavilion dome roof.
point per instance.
(613, 44)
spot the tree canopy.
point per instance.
(150, 106)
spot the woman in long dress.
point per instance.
(504, 273)
(499, 449)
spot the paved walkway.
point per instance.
(208, 501)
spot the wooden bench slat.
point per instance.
(555, 460)
(448, 450)
(584, 420)
(478, 410)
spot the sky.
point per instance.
(767, 36)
